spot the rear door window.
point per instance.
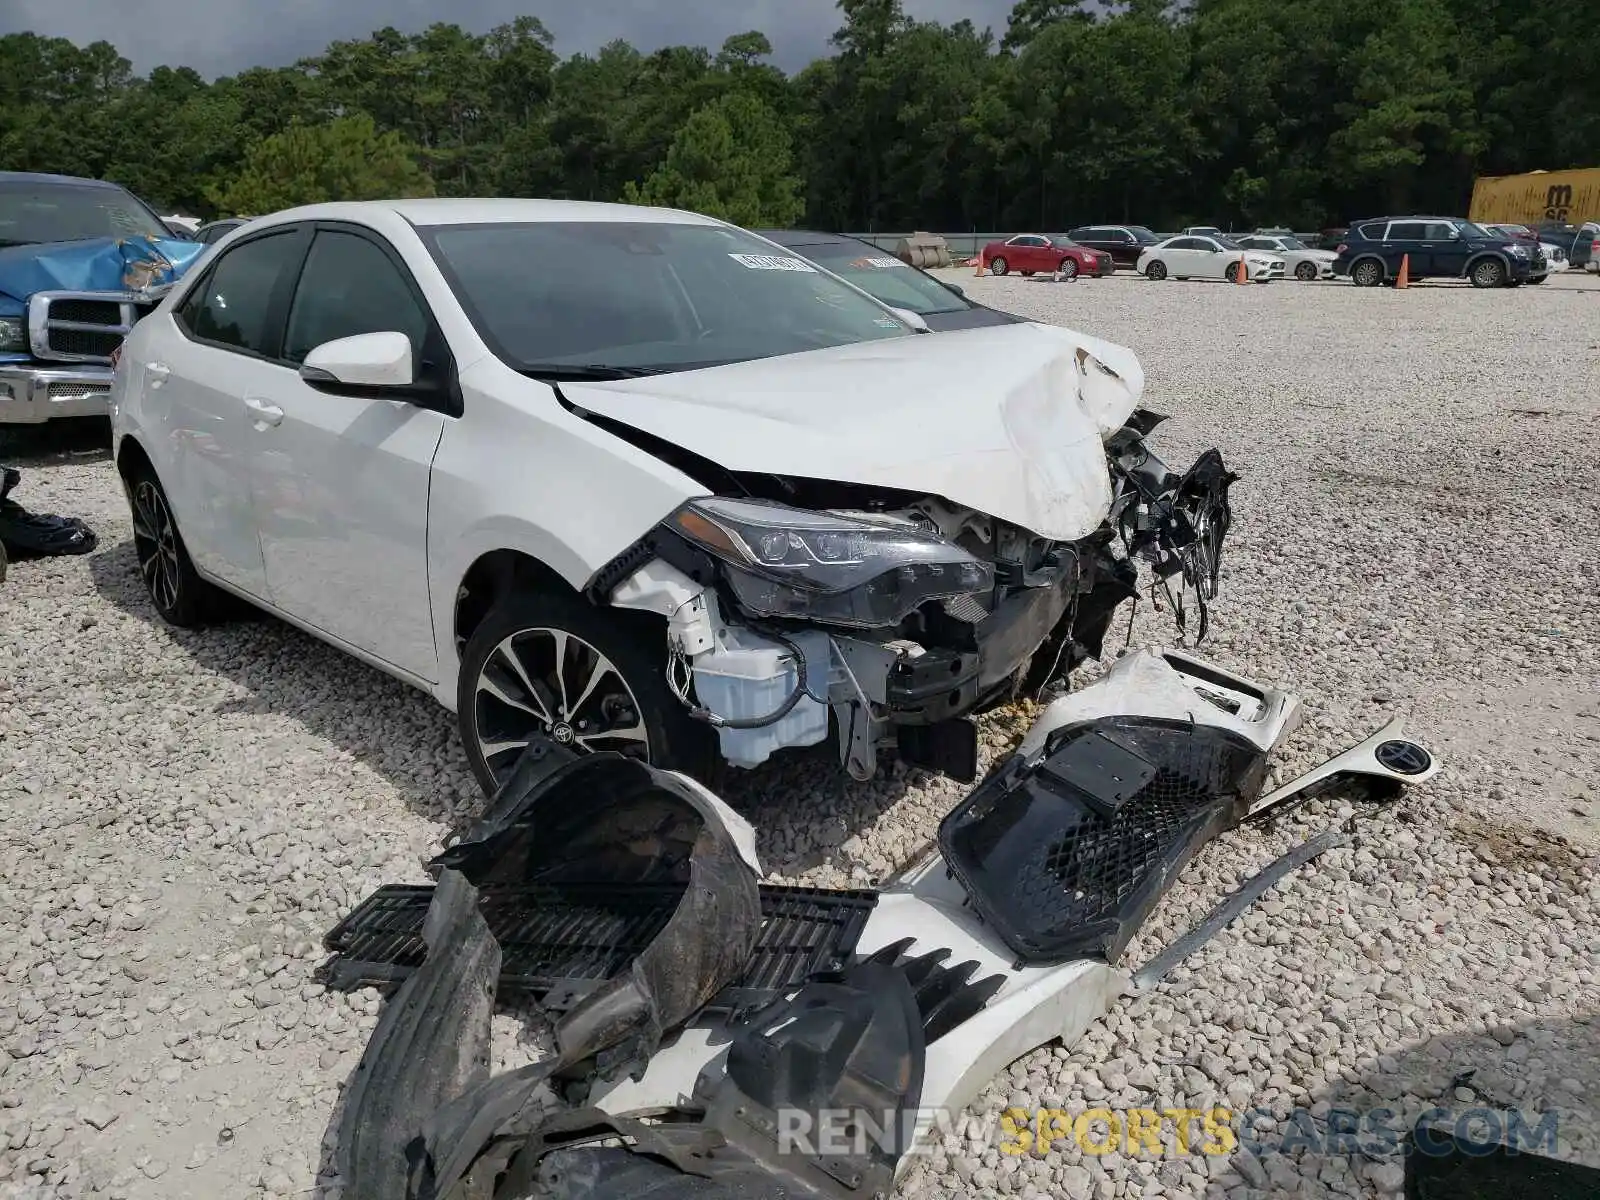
(233, 306)
(1406, 231)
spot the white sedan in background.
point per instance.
(1186, 257)
(1300, 260)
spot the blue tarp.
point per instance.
(96, 265)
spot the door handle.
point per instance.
(263, 413)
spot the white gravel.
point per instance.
(182, 815)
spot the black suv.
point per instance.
(1438, 247)
(1123, 242)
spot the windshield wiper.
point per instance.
(595, 371)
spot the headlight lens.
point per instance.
(1519, 252)
(787, 562)
(12, 338)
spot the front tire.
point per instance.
(1306, 272)
(592, 680)
(1488, 273)
(1156, 270)
(173, 585)
(1068, 269)
(1232, 273)
(998, 266)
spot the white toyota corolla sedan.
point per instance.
(635, 479)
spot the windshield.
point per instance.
(1468, 229)
(1290, 243)
(1226, 243)
(886, 277)
(1064, 242)
(646, 296)
(1142, 234)
(63, 212)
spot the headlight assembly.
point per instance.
(13, 340)
(787, 562)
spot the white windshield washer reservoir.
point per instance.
(748, 677)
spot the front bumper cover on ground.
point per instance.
(701, 1052)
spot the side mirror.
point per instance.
(910, 318)
(367, 360)
(957, 289)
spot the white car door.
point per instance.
(1181, 257)
(341, 480)
(1210, 259)
(196, 367)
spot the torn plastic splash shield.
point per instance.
(1068, 846)
(422, 1115)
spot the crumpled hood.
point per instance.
(1008, 420)
(94, 265)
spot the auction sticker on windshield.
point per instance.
(867, 262)
(772, 262)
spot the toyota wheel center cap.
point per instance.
(562, 733)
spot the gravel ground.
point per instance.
(182, 815)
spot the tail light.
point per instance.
(1341, 248)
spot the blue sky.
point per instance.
(219, 37)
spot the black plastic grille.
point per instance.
(84, 341)
(1067, 863)
(560, 942)
(1097, 863)
(92, 312)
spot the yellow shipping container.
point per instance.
(1538, 196)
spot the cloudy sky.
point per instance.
(219, 37)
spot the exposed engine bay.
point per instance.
(797, 606)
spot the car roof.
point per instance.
(44, 177)
(508, 211)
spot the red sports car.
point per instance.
(1033, 253)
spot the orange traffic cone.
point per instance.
(982, 264)
(1242, 275)
(1403, 280)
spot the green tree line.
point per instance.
(1297, 112)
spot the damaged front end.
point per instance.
(800, 606)
(717, 1038)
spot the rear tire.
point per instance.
(998, 266)
(170, 580)
(599, 676)
(1156, 270)
(1366, 272)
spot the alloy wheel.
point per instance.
(155, 541)
(552, 681)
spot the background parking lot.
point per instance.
(183, 815)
